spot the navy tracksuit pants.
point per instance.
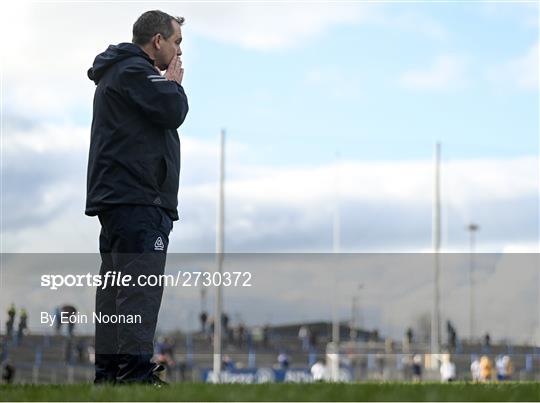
(134, 241)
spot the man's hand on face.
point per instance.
(175, 72)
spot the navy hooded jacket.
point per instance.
(134, 147)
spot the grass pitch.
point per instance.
(391, 391)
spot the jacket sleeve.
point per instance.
(163, 101)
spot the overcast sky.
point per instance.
(294, 85)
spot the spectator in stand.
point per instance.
(318, 371)
(266, 331)
(8, 372)
(241, 334)
(69, 311)
(509, 367)
(448, 369)
(12, 311)
(283, 360)
(225, 322)
(487, 343)
(3, 348)
(57, 322)
(227, 364)
(203, 318)
(409, 335)
(23, 325)
(248, 338)
(407, 341)
(486, 369)
(475, 369)
(313, 340)
(303, 336)
(452, 336)
(504, 368)
(226, 331)
(417, 368)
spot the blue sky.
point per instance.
(340, 90)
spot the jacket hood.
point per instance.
(114, 54)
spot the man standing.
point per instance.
(132, 185)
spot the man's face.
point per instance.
(169, 47)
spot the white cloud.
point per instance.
(446, 72)
(482, 179)
(45, 138)
(266, 26)
(525, 247)
(385, 205)
(521, 72)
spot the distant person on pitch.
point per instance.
(132, 186)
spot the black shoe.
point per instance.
(157, 381)
(158, 368)
(154, 379)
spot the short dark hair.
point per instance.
(152, 23)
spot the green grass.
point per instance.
(392, 391)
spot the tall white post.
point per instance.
(220, 240)
(436, 241)
(335, 248)
(336, 240)
(472, 229)
(354, 320)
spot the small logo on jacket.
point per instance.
(157, 200)
(158, 245)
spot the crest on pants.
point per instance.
(158, 245)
